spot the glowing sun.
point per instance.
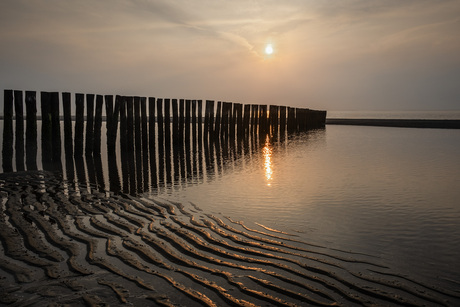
(268, 49)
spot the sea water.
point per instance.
(390, 192)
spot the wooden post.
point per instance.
(145, 134)
(79, 122)
(47, 147)
(152, 122)
(7, 150)
(55, 128)
(89, 124)
(187, 120)
(130, 124)
(98, 125)
(291, 123)
(167, 118)
(123, 129)
(239, 120)
(194, 122)
(263, 121)
(181, 121)
(211, 117)
(217, 126)
(200, 121)
(206, 118)
(247, 118)
(112, 113)
(19, 144)
(232, 120)
(160, 123)
(68, 146)
(282, 121)
(175, 125)
(137, 125)
(31, 130)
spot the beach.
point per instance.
(82, 246)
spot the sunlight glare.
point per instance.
(269, 49)
(267, 152)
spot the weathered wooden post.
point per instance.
(7, 150)
(194, 123)
(160, 124)
(79, 121)
(98, 125)
(31, 130)
(89, 124)
(152, 123)
(188, 105)
(66, 106)
(145, 134)
(175, 125)
(200, 121)
(46, 136)
(112, 114)
(217, 126)
(161, 149)
(55, 128)
(123, 129)
(167, 119)
(181, 121)
(19, 144)
(206, 118)
(263, 121)
(130, 124)
(137, 124)
(282, 121)
(138, 142)
(246, 119)
(239, 120)
(291, 123)
(211, 117)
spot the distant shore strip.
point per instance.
(404, 123)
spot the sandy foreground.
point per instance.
(64, 244)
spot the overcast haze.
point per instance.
(328, 54)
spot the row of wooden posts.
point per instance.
(136, 127)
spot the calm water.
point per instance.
(389, 192)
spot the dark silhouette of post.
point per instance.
(200, 121)
(145, 132)
(98, 125)
(66, 106)
(181, 121)
(218, 123)
(7, 150)
(31, 130)
(47, 147)
(79, 123)
(175, 125)
(282, 121)
(19, 141)
(188, 105)
(130, 124)
(246, 119)
(89, 124)
(55, 128)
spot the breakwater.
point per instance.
(142, 124)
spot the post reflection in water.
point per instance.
(267, 152)
(188, 164)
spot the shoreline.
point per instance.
(400, 123)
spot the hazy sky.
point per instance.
(328, 54)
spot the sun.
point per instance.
(268, 49)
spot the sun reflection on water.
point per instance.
(267, 152)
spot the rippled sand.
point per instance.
(63, 244)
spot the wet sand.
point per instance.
(403, 123)
(64, 243)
